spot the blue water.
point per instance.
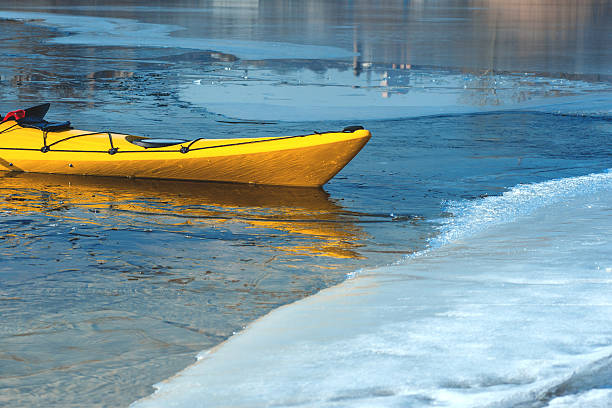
(485, 185)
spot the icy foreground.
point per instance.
(517, 313)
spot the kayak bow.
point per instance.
(28, 143)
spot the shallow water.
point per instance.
(109, 286)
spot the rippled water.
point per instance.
(106, 282)
(108, 286)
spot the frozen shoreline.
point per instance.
(444, 327)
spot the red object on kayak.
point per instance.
(16, 115)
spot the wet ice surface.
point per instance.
(109, 286)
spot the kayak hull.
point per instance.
(305, 161)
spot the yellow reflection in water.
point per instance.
(109, 202)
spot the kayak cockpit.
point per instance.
(148, 143)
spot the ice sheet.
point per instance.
(518, 313)
(293, 80)
(386, 93)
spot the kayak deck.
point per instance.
(304, 160)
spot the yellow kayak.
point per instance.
(28, 143)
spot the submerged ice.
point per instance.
(517, 314)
